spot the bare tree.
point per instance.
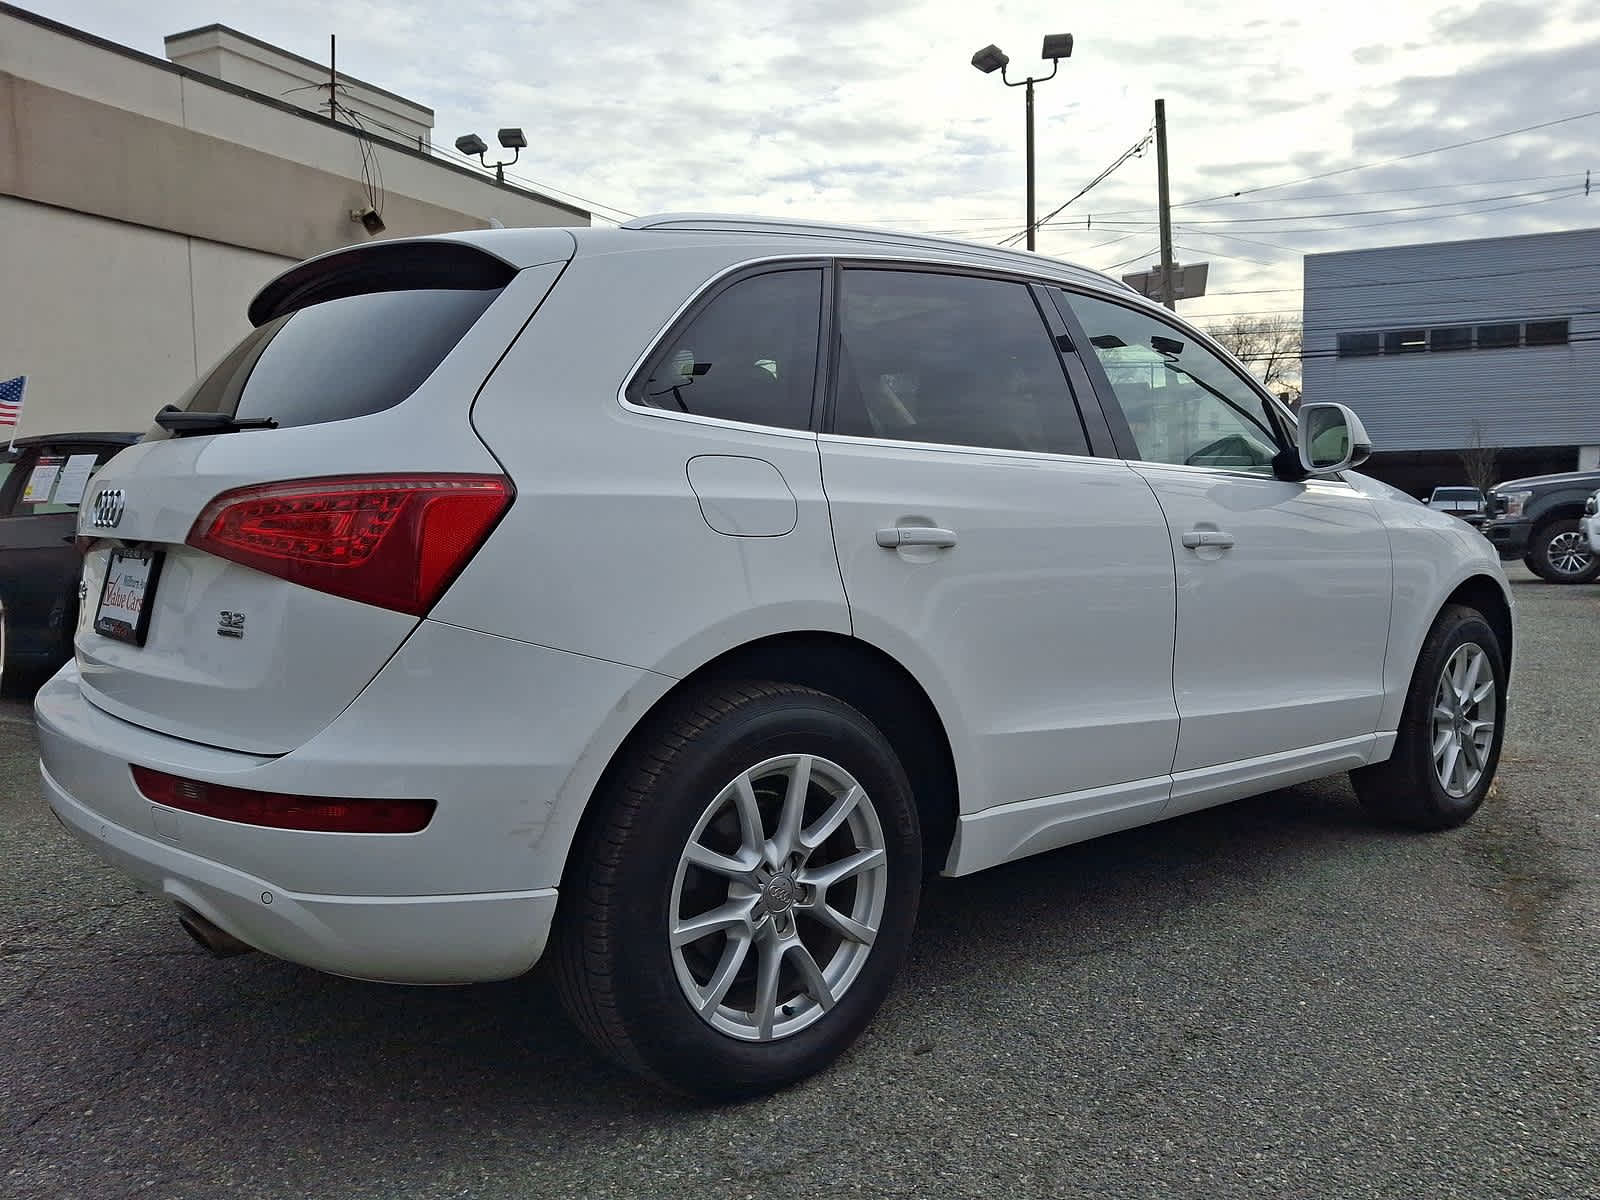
(1269, 347)
(1478, 460)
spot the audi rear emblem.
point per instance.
(108, 506)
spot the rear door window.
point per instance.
(750, 354)
(346, 357)
(950, 359)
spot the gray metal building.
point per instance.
(1448, 346)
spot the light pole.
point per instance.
(512, 139)
(991, 58)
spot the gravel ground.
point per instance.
(1270, 998)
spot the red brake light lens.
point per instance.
(278, 810)
(396, 541)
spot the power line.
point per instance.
(1386, 161)
(1132, 151)
(1431, 187)
(1565, 195)
(1134, 259)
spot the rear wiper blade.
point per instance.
(181, 423)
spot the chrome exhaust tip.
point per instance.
(220, 942)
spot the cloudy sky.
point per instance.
(868, 111)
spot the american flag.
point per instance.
(11, 400)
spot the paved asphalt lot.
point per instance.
(1272, 998)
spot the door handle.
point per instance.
(915, 535)
(1196, 538)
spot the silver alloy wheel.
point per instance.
(789, 861)
(1567, 553)
(1464, 709)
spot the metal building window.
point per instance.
(1458, 337)
(1547, 333)
(1405, 341)
(1356, 345)
(1495, 337)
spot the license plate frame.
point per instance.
(128, 622)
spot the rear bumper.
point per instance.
(1509, 538)
(392, 939)
(507, 737)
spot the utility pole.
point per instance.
(1031, 222)
(1165, 198)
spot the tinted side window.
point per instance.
(342, 358)
(952, 359)
(748, 355)
(1183, 403)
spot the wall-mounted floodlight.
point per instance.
(513, 139)
(471, 144)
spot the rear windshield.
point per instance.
(1455, 493)
(342, 358)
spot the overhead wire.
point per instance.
(1383, 162)
(1132, 151)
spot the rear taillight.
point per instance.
(396, 541)
(278, 810)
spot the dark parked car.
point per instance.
(1536, 520)
(39, 567)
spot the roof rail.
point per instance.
(725, 223)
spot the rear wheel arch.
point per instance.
(854, 671)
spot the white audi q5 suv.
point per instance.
(668, 600)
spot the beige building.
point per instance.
(143, 202)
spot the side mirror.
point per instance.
(1331, 438)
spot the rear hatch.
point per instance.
(249, 575)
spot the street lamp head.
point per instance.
(990, 59)
(1057, 45)
(514, 139)
(471, 144)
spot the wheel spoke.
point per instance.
(1447, 770)
(823, 828)
(1469, 681)
(735, 914)
(769, 962)
(733, 956)
(1443, 712)
(1458, 775)
(848, 927)
(811, 975)
(751, 834)
(706, 859)
(1472, 753)
(1485, 690)
(787, 836)
(823, 878)
(1442, 737)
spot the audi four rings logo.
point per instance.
(108, 506)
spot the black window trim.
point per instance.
(1077, 387)
(655, 353)
(1128, 447)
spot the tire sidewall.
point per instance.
(1539, 559)
(668, 1034)
(1466, 627)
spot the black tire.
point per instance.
(615, 966)
(1555, 567)
(1406, 790)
